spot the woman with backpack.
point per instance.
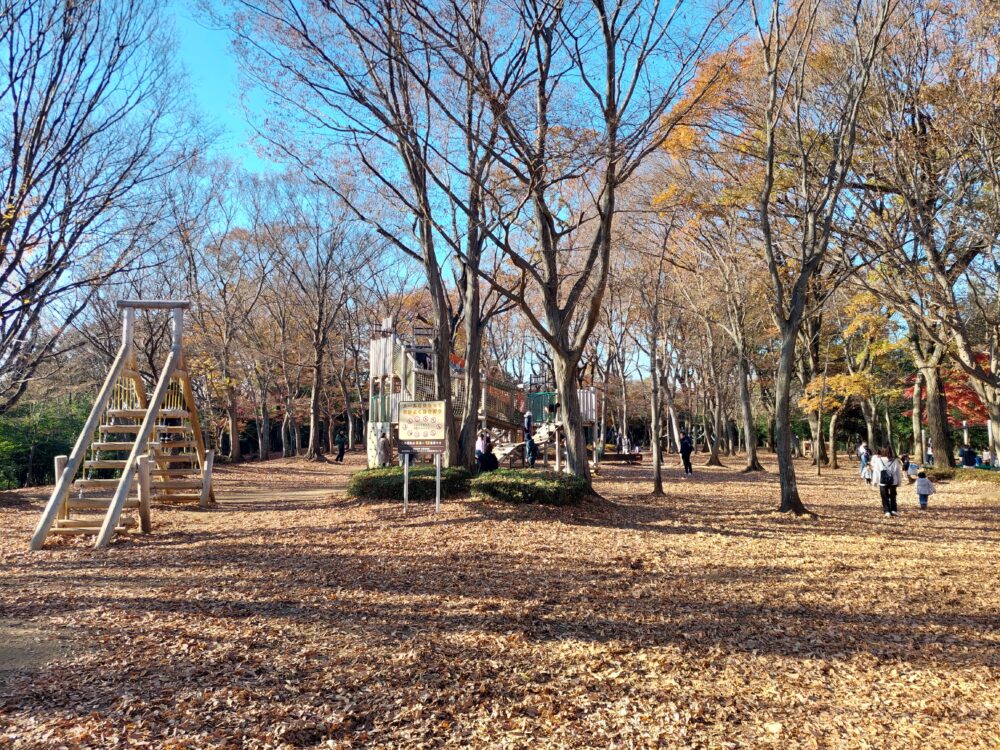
(888, 473)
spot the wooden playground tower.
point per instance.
(404, 370)
(133, 450)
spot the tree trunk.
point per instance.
(833, 439)
(315, 450)
(471, 376)
(569, 416)
(937, 418)
(790, 500)
(816, 431)
(264, 429)
(749, 429)
(30, 467)
(235, 452)
(888, 429)
(713, 458)
(656, 407)
(919, 454)
(868, 410)
(289, 443)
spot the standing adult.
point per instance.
(384, 453)
(686, 449)
(527, 424)
(888, 473)
(341, 442)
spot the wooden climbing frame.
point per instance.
(127, 437)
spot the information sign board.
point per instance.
(421, 427)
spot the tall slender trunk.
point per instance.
(790, 500)
(749, 429)
(868, 411)
(289, 442)
(30, 467)
(655, 402)
(815, 420)
(235, 451)
(888, 428)
(713, 459)
(919, 449)
(264, 429)
(315, 450)
(471, 376)
(833, 439)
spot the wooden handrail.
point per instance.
(148, 422)
(83, 442)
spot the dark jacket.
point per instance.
(686, 446)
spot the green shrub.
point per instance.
(963, 475)
(529, 486)
(387, 484)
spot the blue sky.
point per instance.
(213, 73)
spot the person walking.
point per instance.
(924, 488)
(888, 474)
(686, 448)
(341, 442)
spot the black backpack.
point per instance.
(886, 477)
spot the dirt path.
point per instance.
(292, 616)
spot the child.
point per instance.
(924, 488)
(866, 474)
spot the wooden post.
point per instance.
(145, 521)
(63, 505)
(206, 479)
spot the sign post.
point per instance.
(421, 430)
(437, 496)
(406, 481)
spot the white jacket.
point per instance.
(892, 465)
(924, 486)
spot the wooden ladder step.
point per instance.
(141, 413)
(174, 444)
(89, 483)
(177, 484)
(105, 464)
(182, 458)
(132, 429)
(84, 523)
(96, 503)
(104, 446)
(93, 530)
(162, 498)
(190, 471)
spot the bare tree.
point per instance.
(800, 111)
(86, 89)
(579, 94)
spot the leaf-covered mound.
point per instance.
(387, 484)
(530, 486)
(963, 475)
